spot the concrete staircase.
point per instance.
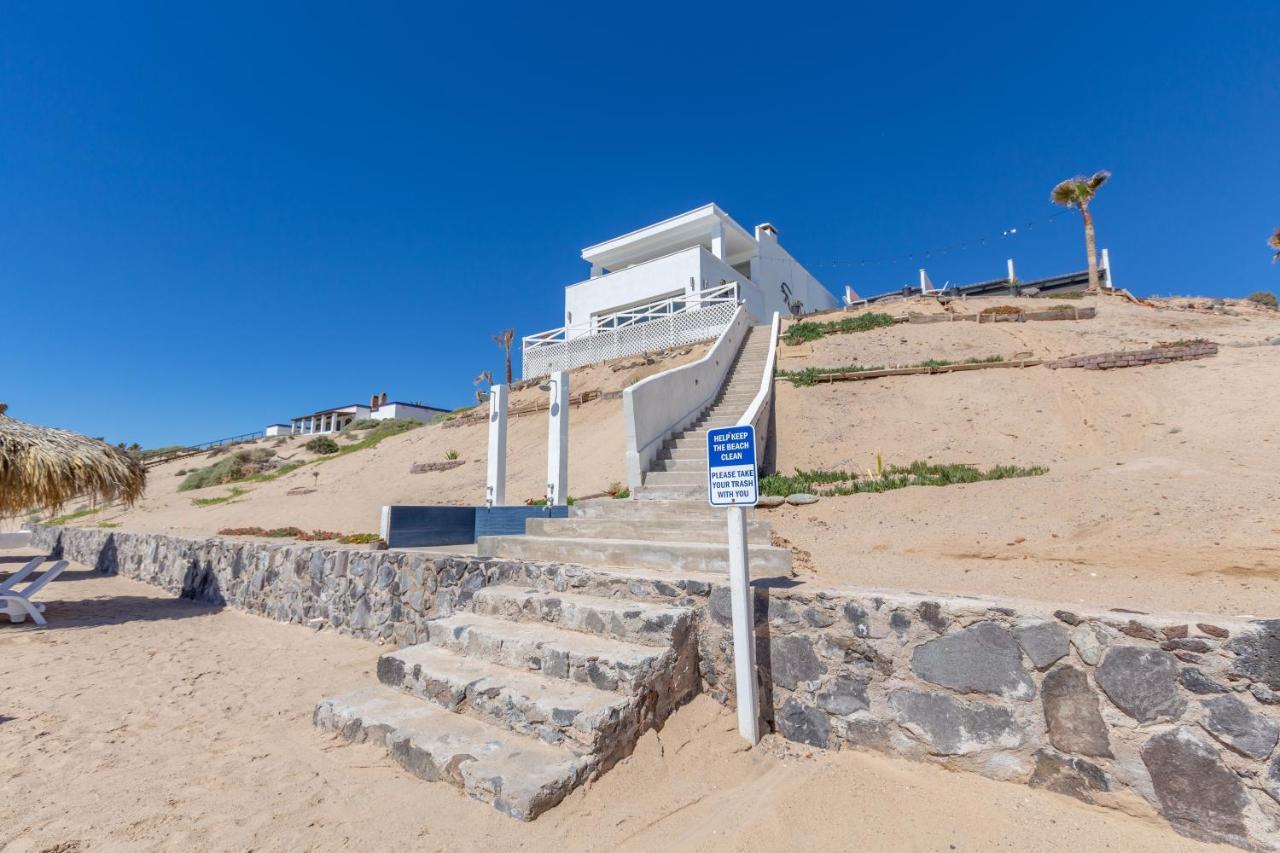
(548, 676)
(525, 693)
(680, 470)
(668, 526)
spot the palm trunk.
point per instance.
(508, 365)
(1090, 248)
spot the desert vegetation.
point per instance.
(887, 478)
(811, 330)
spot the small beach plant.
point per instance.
(451, 455)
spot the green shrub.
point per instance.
(888, 478)
(322, 444)
(812, 330)
(451, 455)
(238, 466)
(1263, 297)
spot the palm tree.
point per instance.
(504, 340)
(1078, 192)
(1274, 243)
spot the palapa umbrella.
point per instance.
(43, 468)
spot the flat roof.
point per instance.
(661, 238)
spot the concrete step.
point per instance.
(653, 510)
(577, 716)
(555, 652)
(518, 775)
(683, 453)
(699, 529)
(628, 621)
(695, 464)
(675, 478)
(634, 554)
(654, 585)
(690, 494)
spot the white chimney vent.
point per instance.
(766, 228)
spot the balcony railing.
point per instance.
(683, 319)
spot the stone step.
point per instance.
(555, 652)
(577, 716)
(618, 619)
(685, 589)
(635, 553)
(698, 529)
(518, 775)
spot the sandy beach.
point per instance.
(142, 722)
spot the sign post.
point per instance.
(731, 482)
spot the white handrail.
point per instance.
(760, 405)
(688, 302)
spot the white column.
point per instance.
(717, 240)
(744, 631)
(313, 423)
(1106, 265)
(558, 440)
(1012, 275)
(596, 270)
(495, 489)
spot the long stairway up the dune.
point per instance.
(668, 525)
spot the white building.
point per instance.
(696, 261)
(336, 419)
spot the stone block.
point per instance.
(844, 695)
(792, 661)
(1064, 774)
(1141, 682)
(1258, 653)
(803, 723)
(953, 726)
(1239, 729)
(983, 658)
(1198, 794)
(1045, 643)
(1071, 712)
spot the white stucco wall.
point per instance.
(405, 412)
(279, 429)
(772, 266)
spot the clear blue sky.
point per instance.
(216, 216)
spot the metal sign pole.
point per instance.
(732, 482)
(744, 635)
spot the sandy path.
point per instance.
(143, 722)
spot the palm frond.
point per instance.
(1274, 243)
(43, 468)
(1078, 191)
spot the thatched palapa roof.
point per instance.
(43, 468)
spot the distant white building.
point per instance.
(698, 260)
(336, 419)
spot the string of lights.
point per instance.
(961, 246)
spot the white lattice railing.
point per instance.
(672, 322)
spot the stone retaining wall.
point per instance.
(1137, 358)
(1113, 708)
(386, 595)
(1179, 716)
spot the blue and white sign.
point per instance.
(731, 466)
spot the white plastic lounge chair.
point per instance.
(18, 604)
(20, 575)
